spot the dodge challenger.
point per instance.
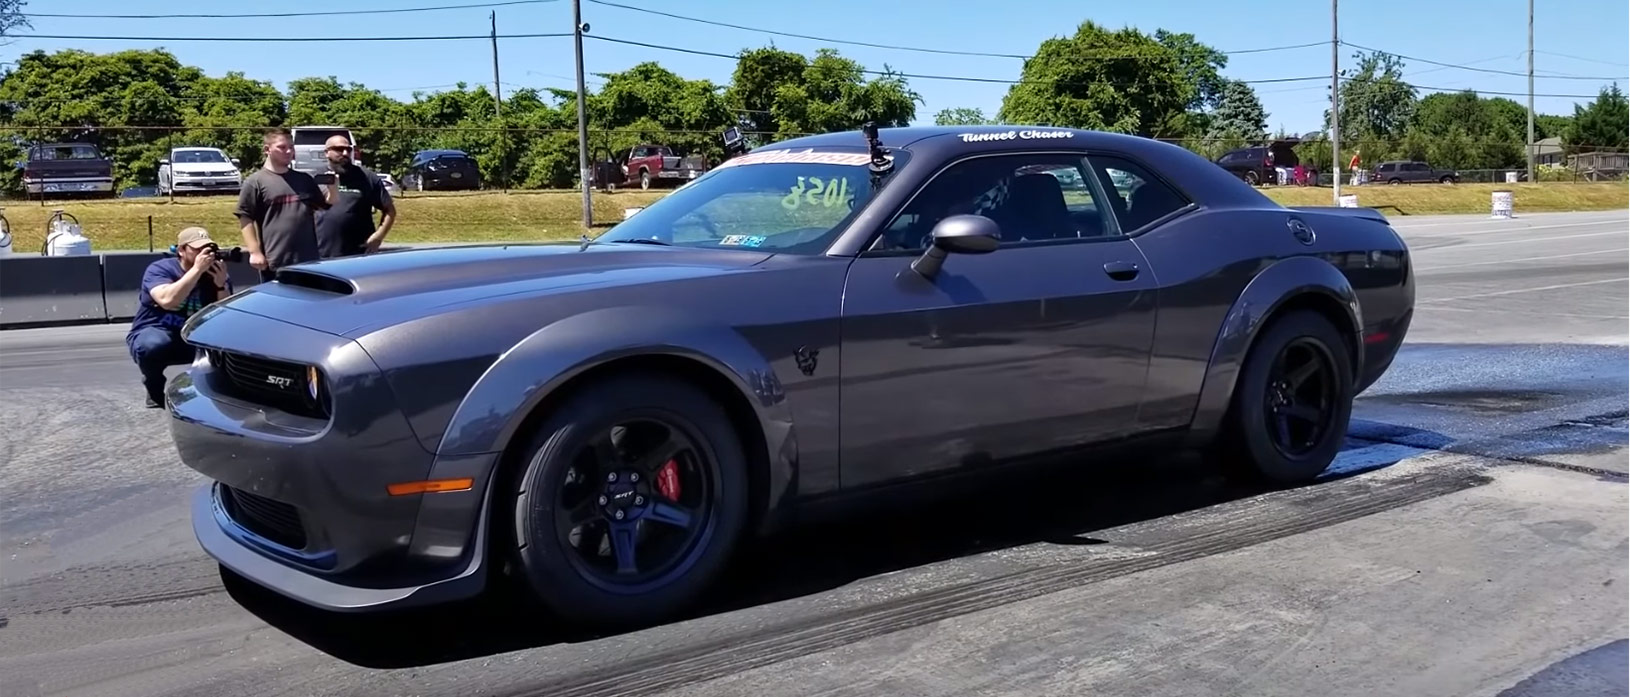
(603, 421)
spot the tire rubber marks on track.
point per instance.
(1256, 521)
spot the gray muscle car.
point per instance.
(815, 320)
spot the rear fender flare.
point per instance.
(1281, 282)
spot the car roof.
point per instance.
(425, 153)
(1200, 179)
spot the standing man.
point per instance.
(353, 193)
(277, 210)
(172, 289)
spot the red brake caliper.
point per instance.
(668, 480)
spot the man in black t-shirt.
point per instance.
(354, 193)
(172, 289)
(277, 210)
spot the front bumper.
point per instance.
(207, 184)
(299, 504)
(68, 185)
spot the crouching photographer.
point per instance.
(172, 289)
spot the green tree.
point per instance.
(1599, 125)
(961, 116)
(1104, 80)
(1377, 106)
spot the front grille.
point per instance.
(278, 384)
(273, 520)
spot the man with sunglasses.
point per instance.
(354, 193)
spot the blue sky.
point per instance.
(1571, 37)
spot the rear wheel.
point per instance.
(1292, 402)
(631, 502)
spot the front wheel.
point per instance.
(1292, 402)
(632, 500)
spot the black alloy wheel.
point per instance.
(1301, 399)
(631, 502)
(1292, 402)
(635, 502)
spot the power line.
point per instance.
(915, 76)
(1480, 70)
(292, 14)
(895, 47)
(1578, 58)
(1478, 91)
(272, 39)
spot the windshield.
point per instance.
(785, 201)
(193, 157)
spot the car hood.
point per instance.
(353, 296)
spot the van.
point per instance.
(311, 142)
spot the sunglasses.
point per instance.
(340, 148)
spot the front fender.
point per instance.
(1268, 291)
(523, 376)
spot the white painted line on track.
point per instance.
(1514, 260)
(1509, 311)
(1404, 224)
(1535, 240)
(1524, 290)
(1594, 223)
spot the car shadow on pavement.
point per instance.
(1058, 504)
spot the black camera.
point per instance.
(234, 254)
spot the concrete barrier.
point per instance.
(42, 291)
(121, 280)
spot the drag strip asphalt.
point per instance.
(1471, 539)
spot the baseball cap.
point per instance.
(193, 237)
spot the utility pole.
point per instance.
(498, 98)
(1530, 90)
(1335, 106)
(578, 27)
(497, 89)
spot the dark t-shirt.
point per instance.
(285, 206)
(344, 229)
(149, 314)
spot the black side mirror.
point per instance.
(958, 234)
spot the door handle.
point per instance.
(1121, 270)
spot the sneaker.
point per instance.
(153, 403)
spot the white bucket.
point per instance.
(1500, 205)
(629, 212)
(1510, 177)
(1349, 200)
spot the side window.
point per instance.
(1032, 198)
(1136, 197)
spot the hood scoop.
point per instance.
(305, 278)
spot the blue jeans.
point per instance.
(154, 349)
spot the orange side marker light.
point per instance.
(430, 486)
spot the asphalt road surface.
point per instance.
(1472, 541)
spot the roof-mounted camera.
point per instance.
(881, 163)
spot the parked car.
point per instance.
(442, 170)
(649, 166)
(67, 168)
(1411, 172)
(198, 169)
(826, 317)
(311, 147)
(1256, 164)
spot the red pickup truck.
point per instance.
(652, 164)
(67, 168)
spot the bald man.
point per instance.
(353, 193)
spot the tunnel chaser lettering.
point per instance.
(1027, 134)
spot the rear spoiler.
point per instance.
(1359, 212)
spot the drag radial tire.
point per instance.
(1291, 404)
(570, 535)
